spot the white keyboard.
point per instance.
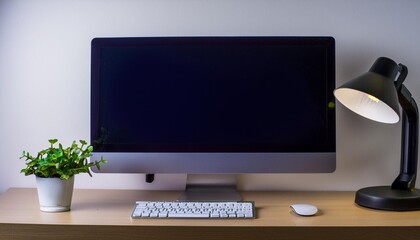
(216, 210)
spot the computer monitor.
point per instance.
(213, 104)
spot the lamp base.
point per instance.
(386, 198)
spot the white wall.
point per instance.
(45, 74)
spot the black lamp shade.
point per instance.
(373, 94)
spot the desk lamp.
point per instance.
(375, 95)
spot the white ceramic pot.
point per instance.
(54, 194)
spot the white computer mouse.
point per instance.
(304, 209)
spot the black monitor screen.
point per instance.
(213, 94)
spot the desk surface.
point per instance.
(106, 214)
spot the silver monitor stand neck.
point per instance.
(210, 187)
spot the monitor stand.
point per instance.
(217, 187)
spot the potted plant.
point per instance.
(54, 169)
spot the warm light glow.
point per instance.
(373, 98)
(366, 105)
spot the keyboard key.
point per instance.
(188, 215)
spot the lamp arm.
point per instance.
(403, 74)
(406, 180)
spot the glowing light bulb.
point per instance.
(374, 99)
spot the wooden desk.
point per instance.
(105, 214)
